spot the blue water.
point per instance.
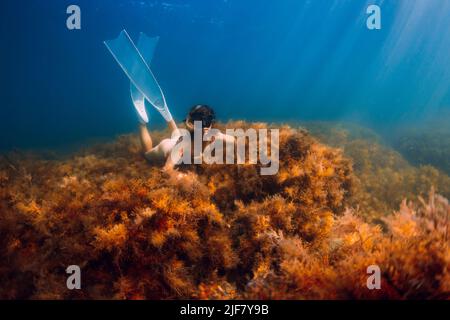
(251, 59)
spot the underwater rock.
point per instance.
(383, 177)
(426, 145)
(218, 232)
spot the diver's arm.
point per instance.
(174, 155)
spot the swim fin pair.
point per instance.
(135, 62)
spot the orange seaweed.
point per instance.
(219, 232)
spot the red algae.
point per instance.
(217, 232)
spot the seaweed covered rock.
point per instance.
(311, 175)
(132, 237)
(426, 144)
(383, 177)
(216, 232)
(137, 232)
(412, 255)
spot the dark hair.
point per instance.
(203, 113)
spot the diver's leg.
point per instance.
(172, 125)
(146, 139)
